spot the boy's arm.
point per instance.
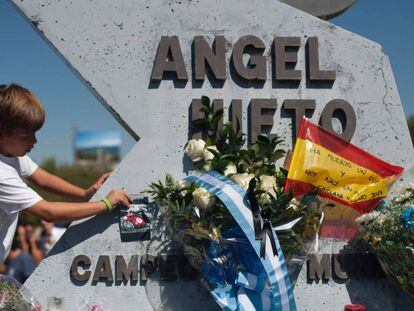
(57, 185)
(63, 211)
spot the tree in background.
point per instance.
(410, 122)
(80, 176)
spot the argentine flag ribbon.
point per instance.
(279, 296)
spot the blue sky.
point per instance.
(25, 58)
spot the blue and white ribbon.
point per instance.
(280, 297)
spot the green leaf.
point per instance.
(255, 148)
(229, 157)
(278, 154)
(284, 171)
(218, 113)
(263, 139)
(205, 101)
(213, 151)
(205, 110)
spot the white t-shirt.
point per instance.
(15, 196)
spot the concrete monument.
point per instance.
(325, 9)
(149, 62)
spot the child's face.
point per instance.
(17, 143)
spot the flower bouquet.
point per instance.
(14, 297)
(389, 231)
(211, 236)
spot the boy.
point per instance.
(21, 115)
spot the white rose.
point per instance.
(267, 183)
(230, 169)
(202, 198)
(207, 154)
(194, 149)
(242, 180)
(182, 184)
(294, 204)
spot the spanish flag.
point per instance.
(344, 174)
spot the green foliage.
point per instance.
(225, 138)
(195, 225)
(410, 122)
(80, 176)
(391, 239)
(11, 299)
(170, 193)
(184, 218)
(259, 159)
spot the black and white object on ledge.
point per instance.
(135, 222)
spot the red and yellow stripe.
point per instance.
(340, 171)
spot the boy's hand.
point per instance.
(94, 188)
(118, 197)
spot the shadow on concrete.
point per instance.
(78, 233)
(378, 295)
(185, 292)
(168, 76)
(368, 284)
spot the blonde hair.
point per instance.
(19, 109)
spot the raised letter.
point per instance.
(299, 106)
(103, 269)
(236, 114)
(315, 74)
(124, 272)
(148, 265)
(285, 56)
(167, 267)
(196, 114)
(261, 115)
(339, 273)
(341, 109)
(85, 262)
(319, 269)
(169, 59)
(216, 60)
(256, 66)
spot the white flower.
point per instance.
(403, 192)
(203, 199)
(267, 183)
(367, 217)
(230, 169)
(294, 204)
(182, 184)
(194, 149)
(207, 154)
(242, 179)
(381, 219)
